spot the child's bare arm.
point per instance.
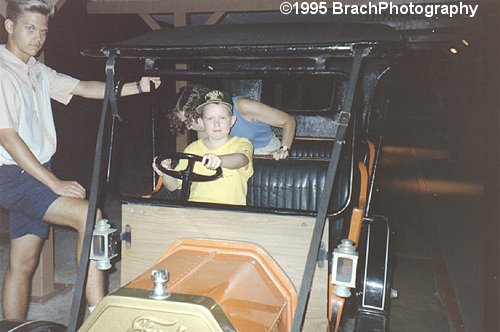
(231, 161)
(169, 182)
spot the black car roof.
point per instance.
(249, 40)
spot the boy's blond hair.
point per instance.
(17, 8)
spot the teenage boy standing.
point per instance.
(34, 196)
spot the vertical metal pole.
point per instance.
(378, 153)
(153, 144)
(312, 256)
(76, 317)
(113, 102)
(149, 65)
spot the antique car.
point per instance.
(305, 253)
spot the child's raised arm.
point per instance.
(231, 161)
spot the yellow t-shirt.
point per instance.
(231, 188)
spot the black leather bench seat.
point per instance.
(294, 183)
(312, 148)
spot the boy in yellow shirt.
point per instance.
(233, 154)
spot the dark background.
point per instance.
(70, 29)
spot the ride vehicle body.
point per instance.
(266, 266)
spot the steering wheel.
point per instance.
(186, 175)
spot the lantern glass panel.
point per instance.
(344, 270)
(99, 246)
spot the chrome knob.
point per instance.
(159, 278)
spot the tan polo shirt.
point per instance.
(25, 93)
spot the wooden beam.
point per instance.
(215, 18)
(43, 280)
(43, 287)
(181, 19)
(3, 9)
(3, 33)
(150, 21)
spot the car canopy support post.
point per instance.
(76, 317)
(312, 256)
(378, 153)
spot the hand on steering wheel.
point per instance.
(188, 173)
(211, 161)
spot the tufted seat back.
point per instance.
(295, 184)
(312, 148)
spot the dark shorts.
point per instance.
(27, 200)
